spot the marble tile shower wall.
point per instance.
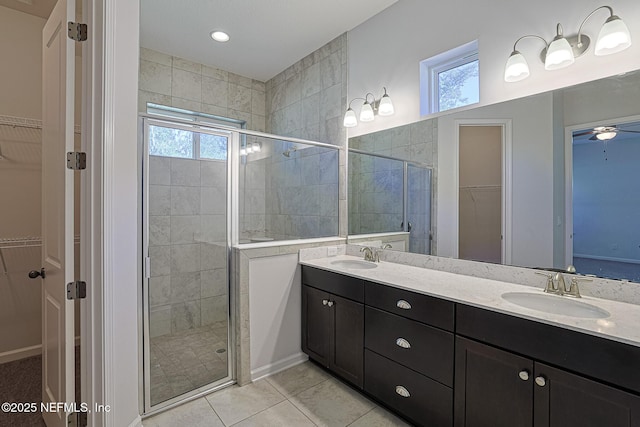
(370, 211)
(375, 194)
(302, 194)
(307, 100)
(187, 249)
(176, 82)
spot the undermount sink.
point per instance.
(355, 264)
(556, 305)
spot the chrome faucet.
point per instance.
(387, 246)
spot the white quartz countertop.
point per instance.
(623, 325)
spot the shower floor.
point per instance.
(189, 359)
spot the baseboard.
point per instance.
(278, 366)
(21, 353)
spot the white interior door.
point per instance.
(57, 212)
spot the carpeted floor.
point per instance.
(21, 381)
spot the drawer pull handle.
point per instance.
(330, 303)
(401, 342)
(402, 391)
(325, 301)
(524, 375)
(541, 381)
(403, 305)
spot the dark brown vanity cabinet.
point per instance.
(333, 322)
(409, 353)
(442, 364)
(499, 388)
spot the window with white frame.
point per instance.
(450, 79)
(171, 142)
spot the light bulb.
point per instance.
(516, 68)
(366, 113)
(243, 151)
(257, 147)
(385, 108)
(350, 119)
(613, 37)
(249, 148)
(559, 54)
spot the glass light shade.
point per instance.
(243, 151)
(249, 148)
(366, 113)
(257, 147)
(559, 54)
(386, 107)
(605, 136)
(613, 37)
(350, 119)
(517, 68)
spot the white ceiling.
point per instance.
(267, 36)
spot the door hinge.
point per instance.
(77, 419)
(76, 160)
(77, 31)
(77, 290)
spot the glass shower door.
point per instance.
(186, 245)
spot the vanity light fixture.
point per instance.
(219, 36)
(383, 107)
(613, 37)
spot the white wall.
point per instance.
(532, 178)
(275, 313)
(386, 50)
(20, 44)
(606, 200)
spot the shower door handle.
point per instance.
(34, 274)
(409, 226)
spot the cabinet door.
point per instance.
(317, 325)
(348, 352)
(493, 388)
(563, 399)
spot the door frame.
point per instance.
(568, 177)
(507, 200)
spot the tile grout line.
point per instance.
(363, 415)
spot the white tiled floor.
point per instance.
(303, 395)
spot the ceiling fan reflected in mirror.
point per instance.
(603, 133)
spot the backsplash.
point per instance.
(615, 290)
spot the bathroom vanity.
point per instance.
(443, 349)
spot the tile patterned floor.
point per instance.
(303, 395)
(187, 360)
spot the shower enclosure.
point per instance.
(205, 188)
(390, 195)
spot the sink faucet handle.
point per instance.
(574, 291)
(550, 287)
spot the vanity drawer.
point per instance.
(424, 349)
(337, 284)
(423, 308)
(422, 400)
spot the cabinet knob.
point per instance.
(401, 342)
(402, 391)
(403, 305)
(330, 303)
(325, 301)
(524, 375)
(541, 381)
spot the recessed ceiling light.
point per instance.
(220, 36)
